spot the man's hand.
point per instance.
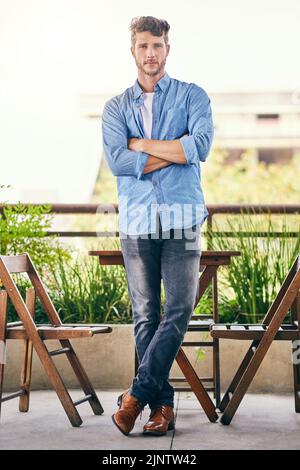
(135, 144)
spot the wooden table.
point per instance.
(208, 266)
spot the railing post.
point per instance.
(209, 234)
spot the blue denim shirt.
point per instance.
(180, 111)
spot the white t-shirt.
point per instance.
(146, 110)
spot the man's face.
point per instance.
(150, 53)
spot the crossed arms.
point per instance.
(135, 157)
(161, 153)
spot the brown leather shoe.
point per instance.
(160, 421)
(129, 409)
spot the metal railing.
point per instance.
(112, 208)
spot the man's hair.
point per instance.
(149, 23)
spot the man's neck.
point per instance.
(148, 83)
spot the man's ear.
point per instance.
(132, 51)
(168, 49)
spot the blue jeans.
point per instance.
(174, 257)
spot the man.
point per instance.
(154, 135)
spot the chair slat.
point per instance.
(83, 400)
(57, 352)
(16, 264)
(20, 393)
(15, 323)
(252, 334)
(53, 332)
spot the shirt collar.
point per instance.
(162, 84)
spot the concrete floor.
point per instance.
(261, 422)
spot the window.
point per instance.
(268, 117)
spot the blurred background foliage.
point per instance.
(84, 291)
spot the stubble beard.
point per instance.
(151, 73)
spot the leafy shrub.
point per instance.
(256, 275)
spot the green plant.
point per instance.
(23, 229)
(257, 274)
(244, 181)
(84, 291)
(248, 181)
(228, 309)
(39, 313)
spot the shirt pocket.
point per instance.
(134, 126)
(175, 122)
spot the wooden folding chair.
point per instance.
(262, 335)
(34, 336)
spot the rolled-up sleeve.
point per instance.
(197, 144)
(121, 161)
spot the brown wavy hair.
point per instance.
(149, 23)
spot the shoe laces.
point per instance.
(159, 409)
(137, 408)
(155, 410)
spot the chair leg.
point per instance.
(242, 380)
(273, 319)
(254, 363)
(61, 391)
(216, 345)
(1, 383)
(27, 358)
(26, 376)
(83, 378)
(56, 381)
(238, 375)
(216, 371)
(196, 386)
(3, 321)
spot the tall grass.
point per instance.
(85, 291)
(82, 292)
(255, 276)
